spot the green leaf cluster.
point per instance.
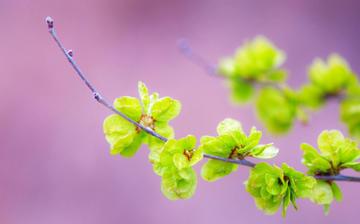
(326, 79)
(335, 154)
(232, 143)
(257, 60)
(350, 115)
(255, 70)
(277, 109)
(324, 193)
(273, 186)
(150, 111)
(174, 165)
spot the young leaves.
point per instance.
(324, 193)
(273, 186)
(350, 115)
(331, 77)
(150, 111)
(277, 109)
(176, 159)
(256, 61)
(336, 153)
(232, 143)
(256, 66)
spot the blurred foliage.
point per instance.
(254, 73)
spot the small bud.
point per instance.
(70, 53)
(50, 22)
(97, 96)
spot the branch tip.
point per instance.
(50, 22)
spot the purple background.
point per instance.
(54, 161)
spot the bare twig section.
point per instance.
(338, 177)
(98, 97)
(196, 58)
(212, 70)
(242, 162)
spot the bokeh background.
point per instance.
(54, 161)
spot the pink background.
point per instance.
(54, 161)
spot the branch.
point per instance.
(212, 70)
(338, 177)
(242, 162)
(98, 97)
(197, 59)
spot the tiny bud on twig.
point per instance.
(70, 53)
(50, 22)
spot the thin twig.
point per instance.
(338, 177)
(212, 70)
(242, 162)
(98, 97)
(69, 55)
(197, 59)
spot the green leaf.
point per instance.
(322, 193)
(119, 133)
(313, 160)
(130, 106)
(272, 186)
(179, 184)
(241, 90)
(332, 76)
(254, 137)
(352, 165)
(350, 115)
(276, 110)
(328, 141)
(165, 109)
(216, 146)
(337, 153)
(336, 191)
(278, 75)
(180, 153)
(233, 143)
(311, 96)
(144, 96)
(213, 170)
(131, 149)
(257, 57)
(180, 161)
(228, 125)
(265, 152)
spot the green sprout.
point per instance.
(336, 154)
(273, 186)
(232, 143)
(256, 61)
(150, 111)
(174, 165)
